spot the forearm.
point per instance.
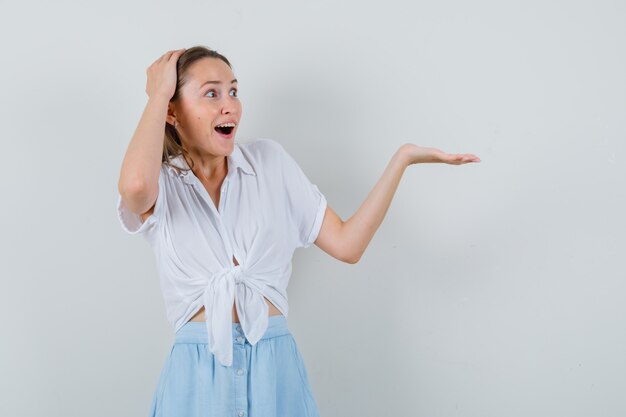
(142, 160)
(359, 229)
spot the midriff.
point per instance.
(273, 311)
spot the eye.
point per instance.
(235, 90)
(210, 91)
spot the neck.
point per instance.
(209, 167)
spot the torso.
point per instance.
(215, 196)
(273, 311)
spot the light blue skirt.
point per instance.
(265, 380)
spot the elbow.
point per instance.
(352, 259)
(131, 187)
(348, 248)
(136, 195)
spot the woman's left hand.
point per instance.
(415, 154)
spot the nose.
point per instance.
(229, 105)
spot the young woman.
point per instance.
(224, 219)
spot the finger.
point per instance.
(463, 158)
(166, 56)
(471, 158)
(156, 61)
(177, 54)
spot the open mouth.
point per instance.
(224, 130)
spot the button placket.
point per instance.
(240, 381)
(219, 213)
(223, 194)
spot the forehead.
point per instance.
(206, 69)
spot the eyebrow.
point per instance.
(216, 82)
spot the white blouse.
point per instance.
(267, 209)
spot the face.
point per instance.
(208, 99)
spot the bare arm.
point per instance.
(348, 240)
(138, 183)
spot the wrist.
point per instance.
(402, 155)
(158, 99)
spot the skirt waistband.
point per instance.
(196, 331)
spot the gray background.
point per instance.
(490, 289)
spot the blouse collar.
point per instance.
(236, 159)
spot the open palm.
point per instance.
(419, 154)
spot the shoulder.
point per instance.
(262, 146)
(264, 151)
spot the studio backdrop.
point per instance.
(490, 289)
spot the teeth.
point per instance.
(227, 124)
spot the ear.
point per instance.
(171, 113)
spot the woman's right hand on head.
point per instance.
(162, 75)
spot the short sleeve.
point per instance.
(131, 221)
(306, 203)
